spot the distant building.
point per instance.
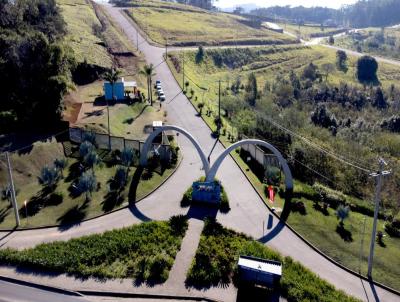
(122, 89)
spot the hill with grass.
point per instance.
(178, 24)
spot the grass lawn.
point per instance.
(143, 252)
(81, 21)
(127, 121)
(45, 208)
(317, 228)
(306, 32)
(215, 264)
(181, 24)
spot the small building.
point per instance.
(122, 89)
(259, 271)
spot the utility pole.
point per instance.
(379, 175)
(108, 125)
(166, 48)
(183, 71)
(362, 245)
(219, 106)
(13, 197)
(137, 38)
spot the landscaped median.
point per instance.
(143, 252)
(146, 254)
(215, 264)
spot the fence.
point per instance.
(264, 159)
(103, 141)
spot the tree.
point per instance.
(200, 106)
(322, 117)
(112, 76)
(87, 184)
(341, 61)
(148, 71)
(91, 159)
(200, 55)
(60, 165)
(310, 72)
(342, 213)
(127, 157)
(85, 148)
(331, 40)
(251, 90)
(48, 176)
(379, 100)
(120, 178)
(367, 68)
(327, 68)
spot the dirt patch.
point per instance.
(72, 109)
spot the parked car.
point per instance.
(160, 91)
(158, 83)
(161, 97)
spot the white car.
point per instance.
(161, 96)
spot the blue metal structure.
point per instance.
(209, 192)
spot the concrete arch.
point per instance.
(288, 174)
(148, 144)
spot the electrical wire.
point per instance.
(321, 149)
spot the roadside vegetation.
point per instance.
(383, 42)
(64, 184)
(177, 24)
(215, 264)
(309, 31)
(143, 252)
(344, 105)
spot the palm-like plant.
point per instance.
(127, 157)
(87, 184)
(48, 176)
(91, 159)
(342, 213)
(148, 71)
(60, 165)
(85, 148)
(112, 76)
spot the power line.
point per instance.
(316, 146)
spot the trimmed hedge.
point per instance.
(224, 201)
(145, 252)
(215, 264)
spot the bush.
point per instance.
(393, 227)
(145, 252)
(179, 224)
(330, 196)
(217, 255)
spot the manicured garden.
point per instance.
(64, 190)
(143, 252)
(216, 258)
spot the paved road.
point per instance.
(10, 292)
(248, 212)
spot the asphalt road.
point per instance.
(10, 292)
(248, 213)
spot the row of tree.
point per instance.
(361, 14)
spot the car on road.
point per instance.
(157, 84)
(161, 96)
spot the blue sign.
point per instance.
(209, 192)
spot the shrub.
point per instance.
(217, 255)
(179, 224)
(145, 252)
(48, 176)
(85, 148)
(393, 227)
(332, 197)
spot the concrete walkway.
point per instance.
(248, 213)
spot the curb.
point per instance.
(392, 290)
(41, 286)
(145, 296)
(102, 215)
